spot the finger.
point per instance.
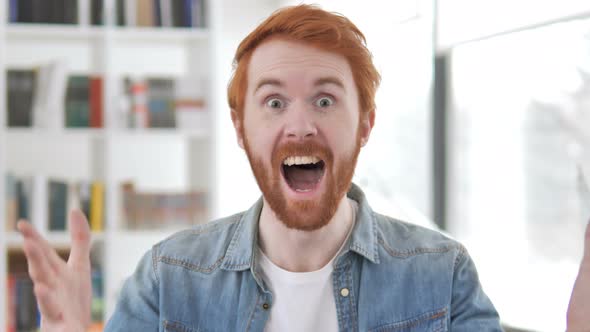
(48, 305)
(30, 233)
(38, 265)
(587, 242)
(80, 234)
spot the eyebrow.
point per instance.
(268, 81)
(330, 80)
(318, 82)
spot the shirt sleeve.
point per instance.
(471, 309)
(138, 305)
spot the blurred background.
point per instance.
(119, 107)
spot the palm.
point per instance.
(63, 290)
(579, 307)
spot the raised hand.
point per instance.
(63, 290)
(578, 313)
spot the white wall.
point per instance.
(462, 20)
(235, 188)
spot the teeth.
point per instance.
(301, 160)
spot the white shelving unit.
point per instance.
(155, 159)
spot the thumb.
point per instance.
(80, 235)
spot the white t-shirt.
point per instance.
(302, 301)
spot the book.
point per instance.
(145, 13)
(161, 102)
(161, 210)
(13, 8)
(11, 204)
(44, 11)
(24, 193)
(121, 13)
(97, 206)
(20, 91)
(139, 107)
(166, 13)
(11, 303)
(83, 191)
(97, 12)
(96, 102)
(131, 13)
(97, 304)
(57, 205)
(77, 102)
(27, 316)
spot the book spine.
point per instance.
(58, 198)
(13, 11)
(11, 203)
(139, 104)
(77, 102)
(131, 12)
(97, 207)
(187, 13)
(21, 86)
(121, 14)
(11, 303)
(96, 102)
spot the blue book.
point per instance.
(188, 18)
(13, 11)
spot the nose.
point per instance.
(300, 124)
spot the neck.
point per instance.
(314, 248)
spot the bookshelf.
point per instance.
(157, 160)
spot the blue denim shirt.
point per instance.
(399, 277)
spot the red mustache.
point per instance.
(309, 148)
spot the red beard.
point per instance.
(305, 215)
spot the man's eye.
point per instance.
(275, 103)
(324, 102)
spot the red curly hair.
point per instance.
(316, 27)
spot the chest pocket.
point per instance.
(171, 326)
(433, 321)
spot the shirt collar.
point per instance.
(240, 254)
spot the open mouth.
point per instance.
(303, 173)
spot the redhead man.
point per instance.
(310, 255)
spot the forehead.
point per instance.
(283, 59)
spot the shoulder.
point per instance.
(402, 239)
(201, 247)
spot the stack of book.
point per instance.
(162, 210)
(43, 11)
(160, 102)
(47, 97)
(161, 13)
(61, 196)
(23, 312)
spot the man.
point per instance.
(310, 255)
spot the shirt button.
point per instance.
(344, 292)
(265, 306)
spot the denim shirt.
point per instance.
(390, 276)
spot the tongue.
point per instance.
(300, 178)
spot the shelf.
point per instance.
(58, 240)
(53, 31)
(94, 133)
(152, 34)
(163, 132)
(74, 133)
(77, 32)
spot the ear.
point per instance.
(238, 127)
(367, 122)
